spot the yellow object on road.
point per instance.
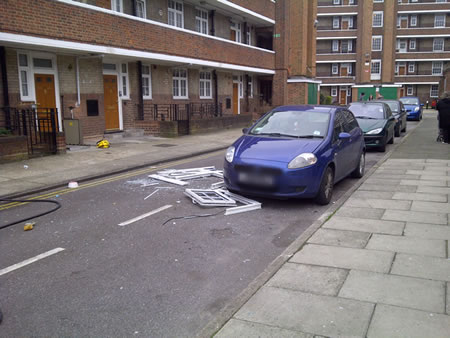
(103, 144)
(28, 226)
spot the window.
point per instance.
(124, 81)
(411, 67)
(334, 69)
(176, 13)
(441, 0)
(351, 2)
(25, 78)
(401, 45)
(439, 20)
(146, 82)
(409, 90)
(378, 0)
(42, 63)
(375, 70)
(336, 2)
(141, 11)
(201, 21)
(249, 35)
(335, 45)
(438, 45)
(413, 21)
(377, 43)
(434, 90)
(412, 44)
(205, 85)
(179, 82)
(250, 86)
(436, 68)
(396, 68)
(236, 28)
(377, 19)
(117, 5)
(335, 22)
(241, 86)
(347, 46)
(334, 91)
(349, 20)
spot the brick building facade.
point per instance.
(148, 64)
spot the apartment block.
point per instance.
(389, 48)
(156, 65)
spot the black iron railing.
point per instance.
(179, 112)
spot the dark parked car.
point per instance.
(376, 121)
(413, 107)
(399, 112)
(296, 151)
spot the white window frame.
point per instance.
(250, 86)
(375, 14)
(396, 68)
(117, 6)
(334, 91)
(377, 37)
(201, 23)
(241, 86)
(205, 78)
(437, 65)
(29, 77)
(411, 67)
(336, 2)
(336, 22)
(351, 2)
(438, 19)
(180, 79)
(441, 42)
(378, 0)
(249, 35)
(434, 93)
(236, 26)
(142, 15)
(349, 19)
(409, 90)
(334, 68)
(375, 76)
(399, 43)
(412, 44)
(149, 78)
(335, 46)
(413, 20)
(124, 90)
(441, 1)
(173, 10)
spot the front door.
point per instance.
(45, 97)
(111, 102)
(235, 98)
(402, 92)
(343, 98)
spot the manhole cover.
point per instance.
(164, 145)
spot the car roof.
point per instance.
(308, 107)
(409, 97)
(384, 101)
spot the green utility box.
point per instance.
(72, 131)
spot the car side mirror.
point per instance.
(344, 136)
(245, 130)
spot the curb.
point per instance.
(111, 173)
(228, 312)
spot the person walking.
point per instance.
(443, 107)
(361, 97)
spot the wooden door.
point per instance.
(45, 97)
(344, 71)
(344, 24)
(235, 98)
(232, 35)
(401, 70)
(402, 92)
(111, 102)
(404, 22)
(343, 98)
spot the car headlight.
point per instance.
(374, 131)
(417, 109)
(302, 160)
(230, 154)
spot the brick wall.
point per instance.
(263, 7)
(297, 93)
(13, 148)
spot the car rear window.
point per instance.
(409, 100)
(374, 111)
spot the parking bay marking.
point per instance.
(30, 260)
(138, 218)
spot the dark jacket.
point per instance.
(443, 107)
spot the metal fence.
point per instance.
(179, 112)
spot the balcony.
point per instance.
(325, 74)
(330, 3)
(330, 51)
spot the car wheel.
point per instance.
(326, 187)
(382, 148)
(404, 128)
(397, 131)
(391, 141)
(359, 170)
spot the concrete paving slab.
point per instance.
(434, 190)
(395, 290)
(428, 231)
(415, 216)
(411, 245)
(381, 175)
(422, 266)
(405, 160)
(384, 187)
(378, 203)
(431, 160)
(419, 197)
(351, 239)
(431, 206)
(392, 321)
(365, 225)
(385, 195)
(346, 258)
(372, 180)
(392, 171)
(294, 310)
(403, 166)
(434, 177)
(239, 328)
(367, 213)
(309, 278)
(429, 172)
(424, 183)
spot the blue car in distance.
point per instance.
(296, 152)
(413, 107)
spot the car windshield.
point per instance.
(297, 124)
(369, 111)
(393, 105)
(409, 100)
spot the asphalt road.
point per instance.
(143, 279)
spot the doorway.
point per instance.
(45, 98)
(343, 96)
(111, 101)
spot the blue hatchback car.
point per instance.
(413, 107)
(296, 151)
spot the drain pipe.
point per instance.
(5, 86)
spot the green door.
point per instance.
(312, 93)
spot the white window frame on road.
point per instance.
(141, 9)
(201, 21)
(205, 85)
(146, 82)
(117, 6)
(436, 67)
(434, 90)
(334, 91)
(180, 82)
(375, 44)
(377, 19)
(411, 67)
(412, 44)
(439, 20)
(175, 15)
(438, 44)
(334, 68)
(375, 75)
(409, 90)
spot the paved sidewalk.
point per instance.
(88, 162)
(379, 267)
